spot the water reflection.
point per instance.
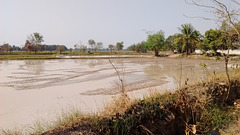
(35, 66)
(137, 72)
(95, 62)
(5, 62)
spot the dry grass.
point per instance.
(119, 104)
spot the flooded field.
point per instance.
(33, 89)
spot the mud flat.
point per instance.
(33, 89)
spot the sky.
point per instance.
(69, 22)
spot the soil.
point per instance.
(40, 89)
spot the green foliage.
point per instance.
(61, 48)
(178, 42)
(214, 40)
(203, 47)
(132, 48)
(169, 43)
(119, 46)
(99, 45)
(91, 43)
(36, 38)
(139, 48)
(155, 42)
(111, 47)
(220, 39)
(7, 48)
(189, 39)
(34, 42)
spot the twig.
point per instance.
(120, 79)
(148, 131)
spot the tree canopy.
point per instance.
(155, 42)
(189, 38)
(139, 47)
(34, 41)
(119, 46)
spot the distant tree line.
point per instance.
(97, 46)
(186, 41)
(139, 47)
(10, 48)
(33, 43)
(189, 39)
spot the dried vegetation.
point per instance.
(199, 109)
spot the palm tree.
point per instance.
(190, 37)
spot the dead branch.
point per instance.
(147, 130)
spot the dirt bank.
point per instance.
(199, 109)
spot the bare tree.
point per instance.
(220, 10)
(223, 14)
(99, 45)
(80, 47)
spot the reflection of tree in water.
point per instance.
(61, 60)
(6, 62)
(95, 62)
(36, 66)
(81, 61)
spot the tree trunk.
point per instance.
(156, 52)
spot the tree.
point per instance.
(99, 46)
(214, 40)
(132, 48)
(190, 38)
(61, 48)
(178, 42)
(70, 50)
(221, 11)
(230, 37)
(28, 46)
(119, 46)
(140, 48)
(227, 15)
(169, 43)
(91, 43)
(111, 47)
(77, 47)
(224, 13)
(35, 40)
(155, 42)
(6, 47)
(81, 47)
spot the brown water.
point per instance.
(30, 89)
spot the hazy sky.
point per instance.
(68, 22)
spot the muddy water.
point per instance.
(32, 89)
